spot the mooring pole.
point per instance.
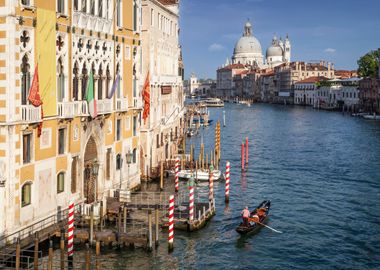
(91, 224)
(246, 150)
(227, 193)
(125, 219)
(62, 248)
(50, 258)
(101, 215)
(97, 249)
(176, 169)
(87, 257)
(242, 157)
(36, 243)
(157, 224)
(162, 176)
(18, 249)
(171, 223)
(150, 244)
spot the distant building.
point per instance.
(305, 91)
(338, 94)
(345, 74)
(224, 79)
(288, 74)
(193, 84)
(369, 95)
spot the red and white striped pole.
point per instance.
(242, 156)
(211, 184)
(176, 174)
(227, 194)
(191, 203)
(171, 222)
(246, 150)
(70, 233)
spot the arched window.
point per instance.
(60, 182)
(60, 81)
(84, 81)
(108, 80)
(93, 75)
(134, 156)
(26, 194)
(118, 162)
(25, 79)
(75, 81)
(100, 83)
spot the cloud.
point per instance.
(216, 47)
(329, 50)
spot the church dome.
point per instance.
(274, 50)
(248, 44)
(248, 49)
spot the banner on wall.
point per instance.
(45, 44)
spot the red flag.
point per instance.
(35, 98)
(146, 97)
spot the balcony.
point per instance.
(121, 104)
(137, 103)
(80, 108)
(30, 114)
(66, 110)
(104, 106)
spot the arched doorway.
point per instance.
(89, 179)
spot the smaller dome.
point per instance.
(274, 50)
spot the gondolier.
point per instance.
(245, 215)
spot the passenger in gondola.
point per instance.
(245, 214)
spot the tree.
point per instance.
(369, 64)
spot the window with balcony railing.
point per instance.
(76, 5)
(75, 81)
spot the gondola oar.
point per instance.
(269, 227)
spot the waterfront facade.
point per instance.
(87, 57)
(305, 91)
(162, 69)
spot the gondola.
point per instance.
(242, 229)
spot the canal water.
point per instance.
(321, 171)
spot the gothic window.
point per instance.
(74, 173)
(92, 7)
(108, 80)
(25, 79)
(61, 6)
(100, 83)
(80, 44)
(96, 47)
(100, 8)
(60, 81)
(88, 46)
(76, 7)
(93, 74)
(104, 48)
(26, 194)
(75, 81)
(84, 5)
(84, 81)
(60, 182)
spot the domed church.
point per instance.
(248, 50)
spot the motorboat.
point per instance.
(199, 175)
(213, 102)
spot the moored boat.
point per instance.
(199, 175)
(255, 227)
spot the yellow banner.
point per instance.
(45, 43)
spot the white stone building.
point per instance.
(162, 56)
(305, 91)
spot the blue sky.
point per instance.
(335, 30)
